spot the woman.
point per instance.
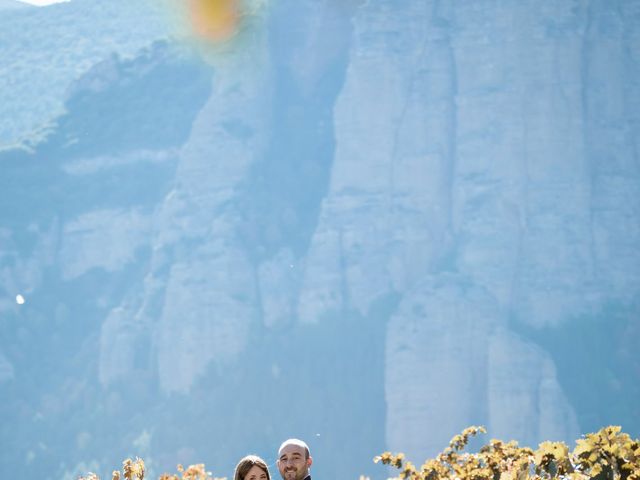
(251, 467)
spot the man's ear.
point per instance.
(309, 461)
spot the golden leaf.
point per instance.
(128, 469)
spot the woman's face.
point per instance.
(256, 473)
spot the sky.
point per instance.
(42, 3)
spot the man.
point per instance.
(294, 460)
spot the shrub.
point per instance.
(606, 455)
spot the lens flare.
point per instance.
(215, 20)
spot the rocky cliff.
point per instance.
(368, 224)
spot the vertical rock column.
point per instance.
(612, 129)
(199, 298)
(379, 227)
(210, 298)
(449, 346)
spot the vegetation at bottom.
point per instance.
(608, 454)
(135, 470)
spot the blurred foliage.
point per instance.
(135, 470)
(608, 454)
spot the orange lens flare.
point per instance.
(214, 19)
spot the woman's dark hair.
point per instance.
(246, 463)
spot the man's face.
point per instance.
(292, 463)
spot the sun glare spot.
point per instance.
(214, 19)
(19, 299)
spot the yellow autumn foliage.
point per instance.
(608, 454)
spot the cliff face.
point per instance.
(466, 180)
(368, 224)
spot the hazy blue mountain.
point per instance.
(366, 224)
(44, 49)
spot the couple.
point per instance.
(293, 463)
